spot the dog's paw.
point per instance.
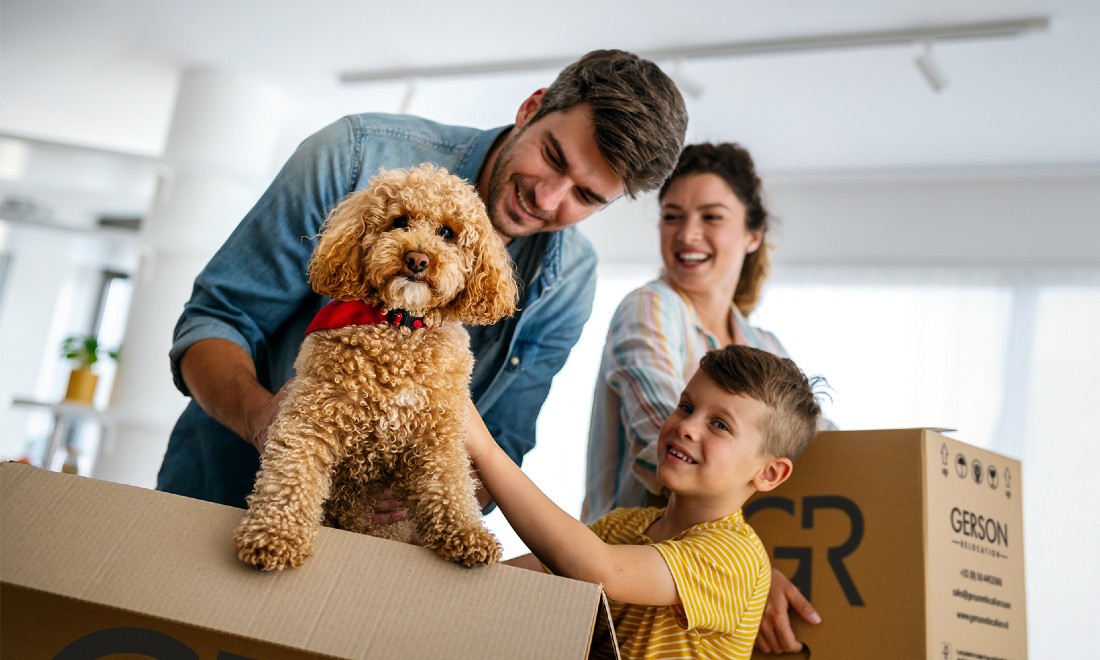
(270, 549)
(475, 548)
(268, 558)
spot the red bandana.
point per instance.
(343, 313)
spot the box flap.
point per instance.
(172, 557)
(975, 556)
(603, 629)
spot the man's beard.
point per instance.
(501, 185)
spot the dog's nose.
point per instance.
(416, 262)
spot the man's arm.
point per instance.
(221, 377)
(256, 283)
(629, 573)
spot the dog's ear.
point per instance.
(491, 292)
(336, 268)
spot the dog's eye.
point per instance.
(400, 222)
(446, 232)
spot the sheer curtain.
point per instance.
(1007, 358)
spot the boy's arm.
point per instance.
(629, 573)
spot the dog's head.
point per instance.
(417, 239)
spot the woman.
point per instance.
(713, 228)
(713, 232)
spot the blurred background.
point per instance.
(934, 166)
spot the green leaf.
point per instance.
(85, 350)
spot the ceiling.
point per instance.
(104, 74)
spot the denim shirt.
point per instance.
(255, 293)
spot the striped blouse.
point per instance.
(653, 347)
(722, 575)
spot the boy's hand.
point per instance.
(776, 634)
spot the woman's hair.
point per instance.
(638, 113)
(734, 165)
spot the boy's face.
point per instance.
(710, 445)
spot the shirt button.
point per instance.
(514, 361)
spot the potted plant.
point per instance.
(84, 351)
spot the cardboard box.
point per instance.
(908, 543)
(90, 568)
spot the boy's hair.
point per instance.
(791, 421)
(638, 113)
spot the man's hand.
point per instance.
(221, 377)
(262, 422)
(776, 634)
(387, 510)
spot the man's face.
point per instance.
(549, 174)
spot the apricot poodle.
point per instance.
(383, 374)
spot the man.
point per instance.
(610, 124)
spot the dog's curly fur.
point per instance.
(376, 404)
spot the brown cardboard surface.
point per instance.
(79, 555)
(864, 526)
(38, 624)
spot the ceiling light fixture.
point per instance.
(931, 70)
(688, 85)
(950, 32)
(407, 98)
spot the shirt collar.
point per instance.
(737, 320)
(469, 165)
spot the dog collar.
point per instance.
(344, 313)
(403, 319)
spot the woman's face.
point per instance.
(703, 235)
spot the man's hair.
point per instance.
(639, 114)
(733, 164)
(791, 420)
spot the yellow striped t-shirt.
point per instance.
(722, 574)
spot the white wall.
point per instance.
(991, 217)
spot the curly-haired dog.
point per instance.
(383, 374)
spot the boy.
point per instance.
(689, 580)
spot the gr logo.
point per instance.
(811, 504)
(133, 641)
